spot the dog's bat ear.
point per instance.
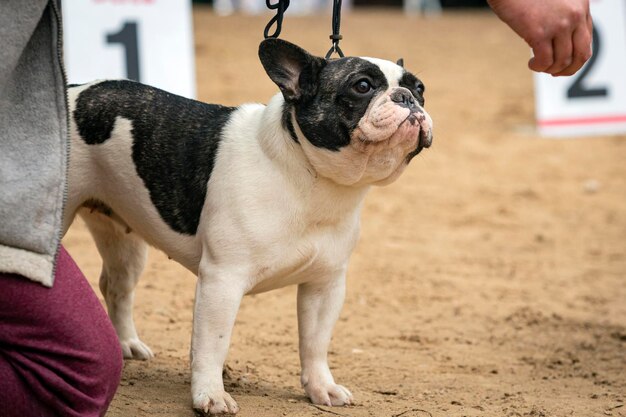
(293, 69)
(400, 62)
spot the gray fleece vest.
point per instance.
(33, 138)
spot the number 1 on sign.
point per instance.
(127, 36)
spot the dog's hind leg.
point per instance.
(123, 259)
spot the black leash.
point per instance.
(282, 6)
(336, 37)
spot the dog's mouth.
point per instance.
(425, 141)
(425, 133)
(417, 119)
(414, 118)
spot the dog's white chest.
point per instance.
(320, 254)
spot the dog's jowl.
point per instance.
(249, 198)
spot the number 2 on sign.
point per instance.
(577, 89)
(127, 37)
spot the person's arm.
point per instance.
(558, 31)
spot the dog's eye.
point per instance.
(362, 86)
(419, 87)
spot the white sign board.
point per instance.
(592, 101)
(150, 41)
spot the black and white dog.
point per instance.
(249, 198)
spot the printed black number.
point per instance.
(577, 89)
(128, 38)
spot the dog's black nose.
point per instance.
(403, 97)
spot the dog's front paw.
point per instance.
(218, 402)
(136, 349)
(329, 394)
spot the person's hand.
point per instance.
(558, 31)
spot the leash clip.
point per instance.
(335, 38)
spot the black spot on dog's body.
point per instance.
(95, 205)
(175, 141)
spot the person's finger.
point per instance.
(543, 56)
(563, 50)
(581, 41)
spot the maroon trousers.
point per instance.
(59, 354)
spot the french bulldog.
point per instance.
(248, 198)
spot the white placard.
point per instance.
(150, 41)
(592, 101)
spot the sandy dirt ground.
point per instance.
(490, 280)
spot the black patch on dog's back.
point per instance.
(175, 141)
